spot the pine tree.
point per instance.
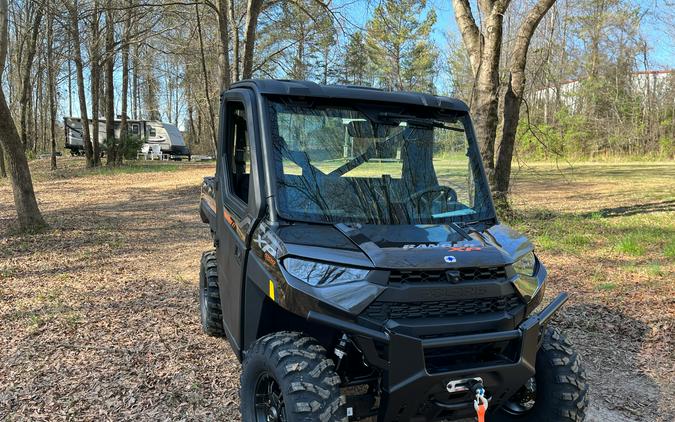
(399, 46)
(355, 68)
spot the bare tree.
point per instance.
(253, 9)
(125, 81)
(27, 210)
(51, 82)
(207, 88)
(79, 70)
(26, 86)
(484, 45)
(95, 80)
(109, 85)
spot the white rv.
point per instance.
(152, 132)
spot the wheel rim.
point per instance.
(524, 399)
(202, 298)
(269, 402)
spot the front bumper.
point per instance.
(412, 391)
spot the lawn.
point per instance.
(99, 319)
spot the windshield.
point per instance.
(375, 164)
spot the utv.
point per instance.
(359, 268)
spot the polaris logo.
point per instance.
(449, 259)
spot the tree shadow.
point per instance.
(652, 207)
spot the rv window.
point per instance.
(134, 128)
(237, 150)
(152, 131)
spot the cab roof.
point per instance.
(348, 92)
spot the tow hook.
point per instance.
(475, 385)
(480, 404)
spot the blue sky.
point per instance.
(661, 56)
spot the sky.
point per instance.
(655, 29)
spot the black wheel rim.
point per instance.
(524, 400)
(269, 402)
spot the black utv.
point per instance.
(359, 268)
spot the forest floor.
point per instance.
(99, 317)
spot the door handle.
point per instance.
(237, 253)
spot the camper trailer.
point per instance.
(152, 132)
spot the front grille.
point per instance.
(444, 276)
(382, 311)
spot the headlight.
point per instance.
(320, 274)
(525, 265)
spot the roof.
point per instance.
(349, 92)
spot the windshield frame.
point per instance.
(276, 212)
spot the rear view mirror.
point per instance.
(360, 129)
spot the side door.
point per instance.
(238, 188)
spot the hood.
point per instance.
(405, 246)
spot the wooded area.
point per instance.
(544, 79)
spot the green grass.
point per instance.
(631, 246)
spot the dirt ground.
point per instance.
(99, 317)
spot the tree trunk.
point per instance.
(253, 9)
(513, 98)
(234, 26)
(224, 52)
(27, 68)
(27, 211)
(207, 89)
(3, 170)
(79, 70)
(110, 87)
(125, 84)
(95, 87)
(484, 48)
(51, 86)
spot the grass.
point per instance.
(618, 215)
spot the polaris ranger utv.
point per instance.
(360, 270)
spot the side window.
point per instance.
(237, 150)
(152, 131)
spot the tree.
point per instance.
(74, 30)
(27, 69)
(355, 69)
(125, 82)
(27, 210)
(484, 46)
(51, 82)
(95, 81)
(399, 46)
(110, 86)
(253, 9)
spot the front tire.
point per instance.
(561, 390)
(287, 377)
(209, 296)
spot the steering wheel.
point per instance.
(420, 197)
